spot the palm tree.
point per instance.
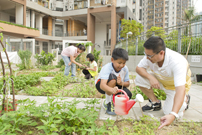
(189, 17)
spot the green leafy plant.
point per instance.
(60, 63)
(160, 94)
(44, 59)
(83, 90)
(25, 59)
(17, 25)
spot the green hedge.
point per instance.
(17, 25)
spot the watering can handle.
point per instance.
(123, 93)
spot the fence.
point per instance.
(176, 38)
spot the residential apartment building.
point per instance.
(137, 10)
(160, 13)
(61, 21)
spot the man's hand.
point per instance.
(69, 63)
(166, 120)
(114, 90)
(154, 82)
(119, 82)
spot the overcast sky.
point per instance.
(198, 5)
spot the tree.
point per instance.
(130, 26)
(190, 17)
(157, 31)
(173, 35)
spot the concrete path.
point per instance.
(194, 113)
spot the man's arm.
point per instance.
(153, 81)
(179, 98)
(177, 104)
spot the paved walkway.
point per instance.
(194, 113)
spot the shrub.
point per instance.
(25, 59)
(44, 58)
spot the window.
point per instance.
(108, 52)
(12, 19)
(60, 48)
(37, 49)
(45, 47)
(59, 9)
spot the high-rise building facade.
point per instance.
(161, 13)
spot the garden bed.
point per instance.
(55, 117)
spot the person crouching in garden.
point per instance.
(91, 71)
(112, 77)
(69, 55)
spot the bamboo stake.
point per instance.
(4, 82)
(10, 74)
(188, 48)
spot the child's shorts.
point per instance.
(112, 77)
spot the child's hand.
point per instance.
(119, 82)
(114, 90)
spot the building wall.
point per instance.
(100, 37)
(78, 25)
(121, 3)
(28, 18)
(5, 16)
(75, 26)
(19, 14)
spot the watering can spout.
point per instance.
(130, 104)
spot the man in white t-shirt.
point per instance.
(169, 71)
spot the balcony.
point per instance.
(80, 4)
(18, 30)
(100, 3)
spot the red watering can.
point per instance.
(122, 103)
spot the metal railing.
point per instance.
(176, 38)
